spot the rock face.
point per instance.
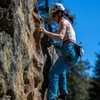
(24, 54)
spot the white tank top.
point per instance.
(70, 35)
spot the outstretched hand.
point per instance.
(42, 29)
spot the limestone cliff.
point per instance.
(23, 52)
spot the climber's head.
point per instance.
(57, 10)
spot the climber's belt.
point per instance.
(70, 41)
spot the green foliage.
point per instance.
(79, 81)
(43, 9)
(97, 69)
(94, 92)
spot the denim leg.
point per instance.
(74, 61)
(63, 83)
(54, 74)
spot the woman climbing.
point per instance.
(66, 34)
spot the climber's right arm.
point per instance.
(56, 36)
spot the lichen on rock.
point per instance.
(24, 56)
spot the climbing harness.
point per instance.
(78, 49)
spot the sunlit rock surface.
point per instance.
(25, 55)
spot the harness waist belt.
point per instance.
(70, 41)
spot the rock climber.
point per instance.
(68, 56)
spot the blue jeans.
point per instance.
(57, 74)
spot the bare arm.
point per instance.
(57, 36)
(54, 35)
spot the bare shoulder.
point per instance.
(63, 23)
(66, 23)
